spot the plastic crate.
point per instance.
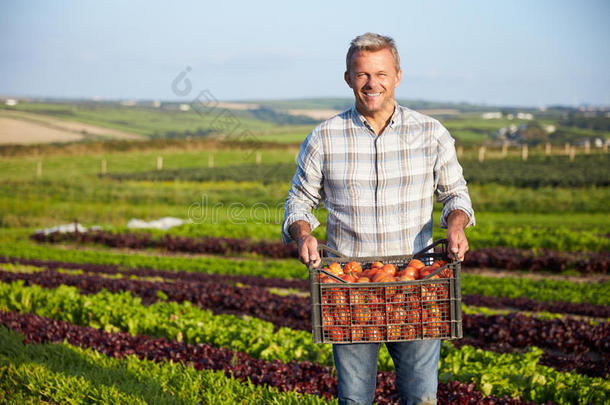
(429, 308)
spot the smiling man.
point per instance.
(377, 167)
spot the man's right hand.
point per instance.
(308, 250)
(307, 245)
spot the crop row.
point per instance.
(513, 374)
(533, 173)
(512, 332)
(591, 299)
(292, 376)
(295, 287)
(61, 373)
(497, 257)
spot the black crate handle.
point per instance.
(322, 247)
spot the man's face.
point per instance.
(373, 78)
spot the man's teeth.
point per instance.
(372, 94)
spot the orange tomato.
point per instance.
(363, 280)
(357, 333)
(353, 267)
(424, 271)
(389, 268)
(408, 271)
(439, 263)
(349, 278)
(376, 265)
(416, 264)
(335, 269)
(394, 332)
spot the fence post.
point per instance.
(159, 162)
(524, 152)
(605, 147)
(572, 153)
(39, 168)
(259, 157)
(481, 153)
(460, 151)
(587, 146)
(103, 168)
(567, 148)
(211, 160)
(504, 149)
(547, 149)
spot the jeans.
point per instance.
(416, 366)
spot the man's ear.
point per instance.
(399, 76)
(347, 79)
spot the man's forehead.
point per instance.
(381, 55)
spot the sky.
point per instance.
(501, 52)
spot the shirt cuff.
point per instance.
(457, 206)
(291, 219)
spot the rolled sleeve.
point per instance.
(451, 188)
(305, 191)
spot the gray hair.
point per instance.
(372, 42)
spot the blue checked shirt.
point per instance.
(378, 189)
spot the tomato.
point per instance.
(338, 334)
(424, 271)
(348, 277)
(398, 316)
(389, 268)
(353, 267)
(409, 332)
(335, 269)
(439, 263)
(376, 265)
(357, 296)
(357, 333)
(416, 264)
(408, 272)
(381, 275)
(374, 334)
(341, 315)
(446, 273)
(399, 298)
(327, 320)
(363, 280)
(394, 332)
(378, 318)
(361, 314)
(370, 272)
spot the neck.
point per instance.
(378, 120)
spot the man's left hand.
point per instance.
(458, 244)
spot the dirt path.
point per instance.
(25, 128)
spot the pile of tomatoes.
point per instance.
(389, 312)
(377, 272)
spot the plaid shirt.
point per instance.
(378, 189)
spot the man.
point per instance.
(377, 167)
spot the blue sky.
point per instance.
(501, 52)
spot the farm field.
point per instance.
(216, 310)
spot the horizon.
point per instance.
(505, 54)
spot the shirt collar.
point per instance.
(394, 120)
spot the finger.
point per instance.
(304, 255)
